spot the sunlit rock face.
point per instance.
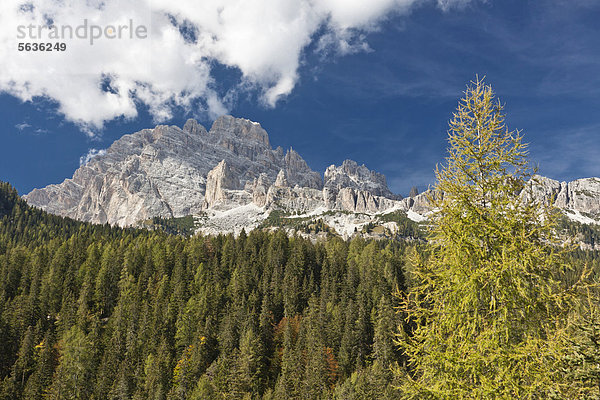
(171, 172)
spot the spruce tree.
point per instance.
(46, 360)
(489, 312)
(72, 378)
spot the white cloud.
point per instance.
(84, 159)
(448, 4)
(22, 126)
(263, 39)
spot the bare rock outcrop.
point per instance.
(219, 180)
(351, 175)
(281, 180)
(259, 189)
(163, 172)
(580, 196)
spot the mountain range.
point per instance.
(230, 178)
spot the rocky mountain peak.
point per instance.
(164, 172)
(192, 127)
(299, 173)
(240, 128)
(352, 175)
(414, 192)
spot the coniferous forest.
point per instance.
(94, 312)
(495, 303)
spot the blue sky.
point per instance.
(385, 102)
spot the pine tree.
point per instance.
(248, 377)
(490, 308)
(25, 361)
(383, 339)
(204, 390)
(349, 344)
(46, 360)
(317, 377)
(292, 367)
(72, 377)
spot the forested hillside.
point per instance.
(93, 312)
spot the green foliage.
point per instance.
(72, 378)
(276, 218)
(185, 226)
(283, 219)
(586, 233)
(97, 312)
(582, 362)
(368, 383)
(488, 315)
(9, 198)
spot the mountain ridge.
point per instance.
(232, 177)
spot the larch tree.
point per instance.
(488, 316)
